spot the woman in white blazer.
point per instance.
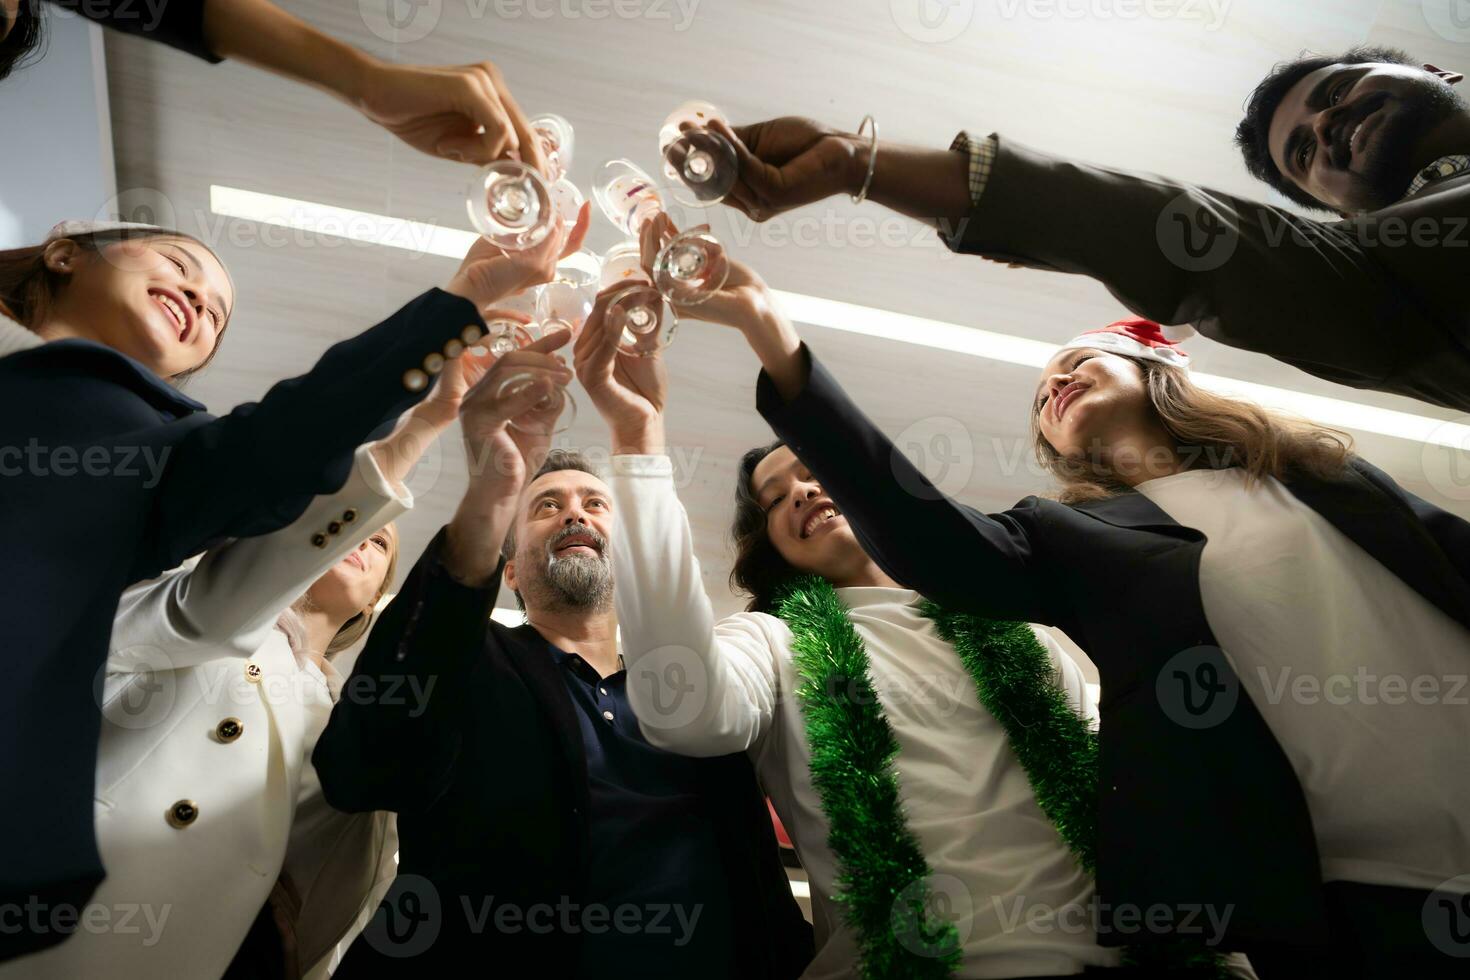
(217, 685)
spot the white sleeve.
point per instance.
(1068, 676)
(227, 601)
(697, 688)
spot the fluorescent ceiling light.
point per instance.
(833, 314)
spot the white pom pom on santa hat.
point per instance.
(1133, 337)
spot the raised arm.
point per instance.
(953, 554)
(1244, 273)
(255, 470)
(394, 735)
(229, 601)
(697, 688)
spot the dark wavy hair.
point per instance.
(1261, 105)
(24, 42)
(759, 572)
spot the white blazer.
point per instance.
(208, 724)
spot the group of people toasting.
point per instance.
(198, 790)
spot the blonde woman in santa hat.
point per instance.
(1208, 554)
(112, 475)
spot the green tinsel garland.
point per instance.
(853, 748)
(882, 873)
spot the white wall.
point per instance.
(57, 160)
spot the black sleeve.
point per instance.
(255, 469)
(394, 734)
(1351, 302)
(177, 23)
(1449, 534)
(953, 554)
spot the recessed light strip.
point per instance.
(833, 314)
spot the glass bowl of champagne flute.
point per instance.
(701, 163)
(688, 269)
(510, 322)
(511, 205)
(556, 138)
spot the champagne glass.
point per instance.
(565, 305)
(626, 195)
(567, 200)
(643, 316)
(510, 322)
(689, 269)
(622, 263)
(555, 134)
(557, 400)
(700, 161)
(511, 205)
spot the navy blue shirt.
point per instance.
(658, 900)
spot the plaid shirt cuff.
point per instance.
(982, 159)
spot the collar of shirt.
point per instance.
(14, 337)
(1445, 166)
(575, 662)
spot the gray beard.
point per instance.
(577, 582)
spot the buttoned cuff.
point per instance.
(982, 160)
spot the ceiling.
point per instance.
(1088, 78)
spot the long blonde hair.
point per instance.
(292, 625)
(1210, 431)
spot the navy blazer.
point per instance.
(1195, 813)
(464, 728)
(107, 476)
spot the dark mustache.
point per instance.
(575, 531)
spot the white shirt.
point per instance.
(1021, 904)
(1330, 646)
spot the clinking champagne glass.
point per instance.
(511, 205)
(687, 269)
(557, 400)
(644, 318)
(510, 322)
(700, 161)
(555, 134)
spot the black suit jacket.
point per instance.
(1202, 811)
(107, 476)
(488, 776)
(1374, 302)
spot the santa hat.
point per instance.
(1134, 337)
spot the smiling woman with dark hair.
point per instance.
(111, 475)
